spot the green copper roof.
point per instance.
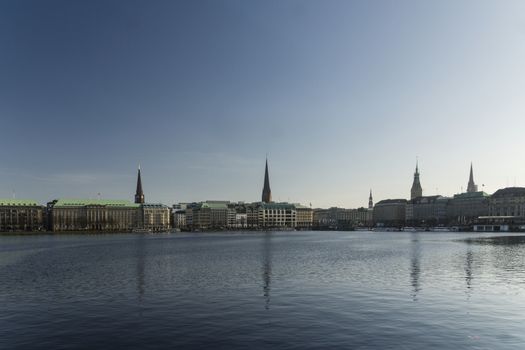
(276, 205)
(68, 202)
(17, 202)
(479, 194)
(213, 205)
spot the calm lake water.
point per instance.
(282, 290)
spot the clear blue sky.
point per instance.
(342, 95)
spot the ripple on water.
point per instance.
(279, 290)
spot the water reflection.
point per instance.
(141, 257)
(468, 271)
(415, 265)
(499, 240)
(502, 257)
(267, 268)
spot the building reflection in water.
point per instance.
(415, 265)
(468, 271)
(267, 268)
(141, 262)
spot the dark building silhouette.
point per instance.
(416, 190)
(370, 201)
(139, 195)
(471, 187)
(390, 212)
(267, 192)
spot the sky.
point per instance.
(342, 96)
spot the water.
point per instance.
(295, 290)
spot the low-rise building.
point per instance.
(427, 211)
(466, 208)
(277, 215)
(507, 206)
(21, 215)
(178, 219)
(390, 213)
(94, 215)
(341, 219)
(508, 201)
(155, 217)
(207, 215)
(304, 217)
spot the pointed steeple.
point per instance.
(370, 201)
(139, 194)
(267, 192)
(471, 187)
(416, 190)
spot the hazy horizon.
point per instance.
(341, 95)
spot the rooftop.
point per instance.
(69, 202)
(510, 192)
(470, 195)
(17, 202)
(391, 201)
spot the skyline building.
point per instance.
(370, 201)
(471, 187)
(266, 192)
(139, 194)
(416, 190)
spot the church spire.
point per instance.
(139, 194)
(471, 187)
(266, 193)
(370, 201)
(416, 190)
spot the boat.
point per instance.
(440, 229)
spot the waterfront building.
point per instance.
(207, 215)
(155, 217)
(471, 187)
(178, 218)
(508, 203)
(277, 215)
(390, 213)
(21, 215)
(360, 217)
(252, 215)
(506, 211)
(341, 219)
(416, 190)
(267, 192)
(325, 218)
(370, 201)
(94, 215)
(241, 220)
(237, 215)
(466, 208)
(427, 211)
(304, 217)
